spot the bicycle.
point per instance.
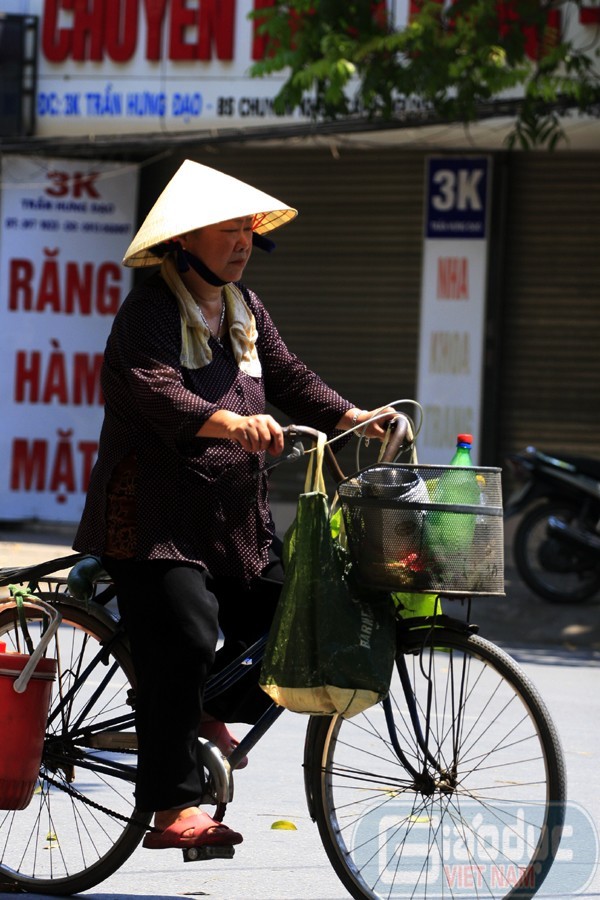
(457, 778)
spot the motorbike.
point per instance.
(557, 542)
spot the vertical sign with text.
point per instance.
(453, 299)
(65, 225)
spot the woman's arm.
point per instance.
(253, 433)
(354, 416)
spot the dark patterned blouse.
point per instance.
(159, 492)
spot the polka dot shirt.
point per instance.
(200, 500)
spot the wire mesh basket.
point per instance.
(424, 528)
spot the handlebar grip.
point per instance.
(330, 460)
(396, 439)
(292, 430)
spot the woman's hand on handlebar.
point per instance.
(263, 432)
(252, 433)
(374, 429)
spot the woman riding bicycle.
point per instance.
(178, 490)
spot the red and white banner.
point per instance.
(64, 229)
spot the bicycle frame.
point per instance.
(106, 733)
(231, 674)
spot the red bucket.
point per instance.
(23, 719)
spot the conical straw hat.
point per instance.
(197, 196)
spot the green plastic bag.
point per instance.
(331, 647)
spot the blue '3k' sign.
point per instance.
(456, 197)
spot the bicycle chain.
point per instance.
(92, 803)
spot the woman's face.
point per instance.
(225, 247)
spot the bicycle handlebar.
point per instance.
(399, 429)
(291, 430)
(396, 439)
(399, 425)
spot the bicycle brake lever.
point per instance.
(295, 453)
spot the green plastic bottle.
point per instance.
(452, 532)
(462, 457)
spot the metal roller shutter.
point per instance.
(343, 285)
(550, 376)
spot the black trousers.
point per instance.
(172, 612)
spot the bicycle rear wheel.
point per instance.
(81, 823)
(463, 797)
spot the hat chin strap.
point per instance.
(186, 260)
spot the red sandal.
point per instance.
(192, 831)
(218, 734)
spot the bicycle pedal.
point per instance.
(197, 854)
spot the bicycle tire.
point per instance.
(551, 568)
(81, 824)
(494, 754)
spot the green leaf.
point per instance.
(453, 58)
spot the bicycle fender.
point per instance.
(100, 613)
(314, 723)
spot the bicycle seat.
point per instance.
(84, 575)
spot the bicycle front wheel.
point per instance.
(81, 824)
(454, 787)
